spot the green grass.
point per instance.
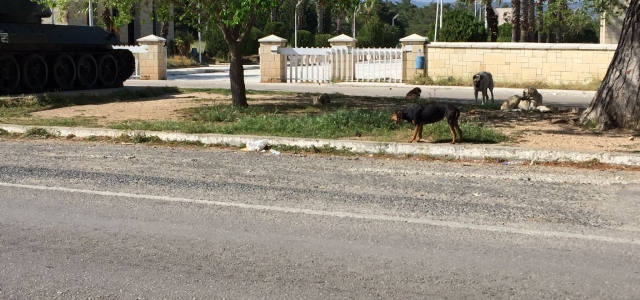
(341, 123)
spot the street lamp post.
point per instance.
(393, 23)
(90, 12)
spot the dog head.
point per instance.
(396, 117)
(529, 92)
(477, 79)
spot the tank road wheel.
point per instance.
(126, 64)
(9, 74)
(64, 71)
(34, 72)
(87, 70)
(108, 70)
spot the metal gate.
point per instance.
(343, 64)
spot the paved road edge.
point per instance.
(458, 151)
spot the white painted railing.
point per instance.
(378, 64)
(136, 50)
(343, 64)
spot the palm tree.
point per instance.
(525, 22)
(320, 5)
(515, 21)
(492, 19)
(540, 20)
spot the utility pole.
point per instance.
(393, 23)
(295, 23)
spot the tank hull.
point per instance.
(41, 57)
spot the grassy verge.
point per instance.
(457, 81)
(340, 123)
(348, 117)
(178, 61)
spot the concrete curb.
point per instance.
(202, 70)
(460, 151)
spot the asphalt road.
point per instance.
(441, 93)
(104, 221)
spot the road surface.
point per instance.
(104, 221)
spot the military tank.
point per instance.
(36, 57)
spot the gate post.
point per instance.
(343, 64)
(411, 46)
(273, 66)
(153, 63)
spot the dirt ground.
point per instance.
(554, 130)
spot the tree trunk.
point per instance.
(524, 21)
(515, 21)
(302, 5)
(550, 36)
(492, 21)
(617, 102)
(339, 21)
(274, 14)
(540, 25)
(532, 21)
(236, 77)
(320, 11)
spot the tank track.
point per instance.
(46, 71)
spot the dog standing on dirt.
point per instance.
(483, 81)
(419, 115)
(414, 93)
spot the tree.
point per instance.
(515, 21)
(461, 26)
(617, 101)
(235, 18)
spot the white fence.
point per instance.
(343, 64)
(136, 50)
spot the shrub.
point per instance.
(275, 28)
(461, 26)
(504, 33)
(183, 41)
(216, 45)
(305, 39)
(322, 40)
(252, 46)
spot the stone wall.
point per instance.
(521, 62)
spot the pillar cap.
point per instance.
(272, 39)
(341, 38)
(151, 39)
(414, 38)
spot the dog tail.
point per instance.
(453, 117)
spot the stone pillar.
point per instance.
(153, 64)
(412, 45)
(273, 66)
(343, 65)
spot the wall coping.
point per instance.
(529, 46)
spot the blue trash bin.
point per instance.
(420, 62)
(194, 52)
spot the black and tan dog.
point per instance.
(426, 114)
(414, 93)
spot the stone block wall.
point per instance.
(521, 62)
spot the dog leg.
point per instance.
(415, 132)
(453, 134)
(491, 90)
(420, 133)
(475, 92)
(459, 131)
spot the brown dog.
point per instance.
(426, 114)
(414, 93)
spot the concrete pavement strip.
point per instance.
(458, 151)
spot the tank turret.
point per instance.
(23, 11)
(37, 57)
